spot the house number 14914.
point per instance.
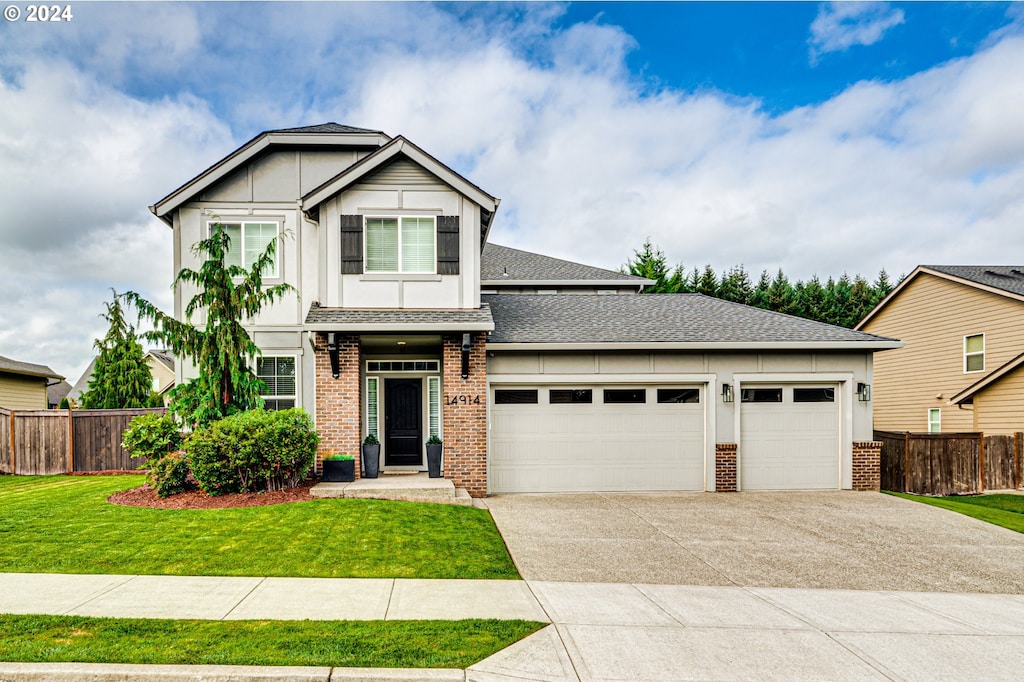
(462, 399)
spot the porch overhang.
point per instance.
(398, 321)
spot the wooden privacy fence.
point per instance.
(950, 463)
(62, 441)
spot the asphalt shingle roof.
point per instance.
(1006, 277)
(651, 318)
(510, 265)
(27, 368)
(385, 318)
(164, 356)
(330, 127)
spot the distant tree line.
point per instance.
(843, 302)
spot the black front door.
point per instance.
(403, 423)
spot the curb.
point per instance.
(117, 672)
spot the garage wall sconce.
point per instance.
(726, 393)
(864, 392)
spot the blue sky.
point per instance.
(819, 138)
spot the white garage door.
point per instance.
(789, 437)
(596, 438)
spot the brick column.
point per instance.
(465, 423)
(867, 465)
(725, 467)
(338, 401)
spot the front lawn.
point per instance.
(1001, 509)
(361, 644)
(63, 524)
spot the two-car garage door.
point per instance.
(594, 438)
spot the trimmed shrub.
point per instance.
(170, 475)
(152, 436)
(253, 451)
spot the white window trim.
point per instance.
(400, 270)
(937, 421)
(981, 353)
(297, 397)
(234, 220)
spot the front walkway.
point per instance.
(600, 632)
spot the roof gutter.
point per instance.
(618, 283)
(408, 327)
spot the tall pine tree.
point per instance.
(120, 377)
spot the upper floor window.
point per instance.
(974, 353)
(401, 244)
(248, 242)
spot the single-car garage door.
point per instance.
(790, 437)
(593, 438)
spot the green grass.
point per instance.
(372, 644)
(63, 524)
(1002, 510)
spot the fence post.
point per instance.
(1016, 459)
(71, 442)
(906, 461)
(981, 462)
(13, 470)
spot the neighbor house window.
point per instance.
(934, 420)
(974, 353)
(278, 373)
(248, 242)
(404, 244)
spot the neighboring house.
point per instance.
(161, 367)
(546, 384)
(82, 385)
(23, 385)
(960, 369)
(57, 392)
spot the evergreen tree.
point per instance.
(120, 377)
(707, 283)
(812, 299)
(649, 262)
(861, 300)
(759, 298)
(221, 349)
(781, 295)
(736, 286)
(883, 287)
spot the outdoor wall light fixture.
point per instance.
(864, 392)
(726, 393)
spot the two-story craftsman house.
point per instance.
(539, 374)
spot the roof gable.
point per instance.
(28, 369)
(505, 265)
(324, 134)
(1002, 280)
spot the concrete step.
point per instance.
(407, 487)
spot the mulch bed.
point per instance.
(146, 497)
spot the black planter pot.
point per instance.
(371, 461)
(339, 470)
(434, 461)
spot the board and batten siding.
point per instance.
(22, 393)
(932, 316)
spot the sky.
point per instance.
(817, 138)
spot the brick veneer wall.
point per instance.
(867, 463)
(338, 401)
(725, 467)
(465, 424)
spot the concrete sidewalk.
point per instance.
(600, 631)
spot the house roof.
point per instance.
(967, 395)
(55, 392)
(324, 134)
(505, 265)
(406, 320)
(28, 369)
(1003, 280)
(675, 321)
(82, 384)
(164, 357)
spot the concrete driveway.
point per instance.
(826, 540)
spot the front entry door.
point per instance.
(403, 423)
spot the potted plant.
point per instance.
(339, 468)
(371, 457)
(434, 446)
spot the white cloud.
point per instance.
(842, 25)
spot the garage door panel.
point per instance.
(789, 446)
(596, 446)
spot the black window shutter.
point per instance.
(447, 244)
(351, 244)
